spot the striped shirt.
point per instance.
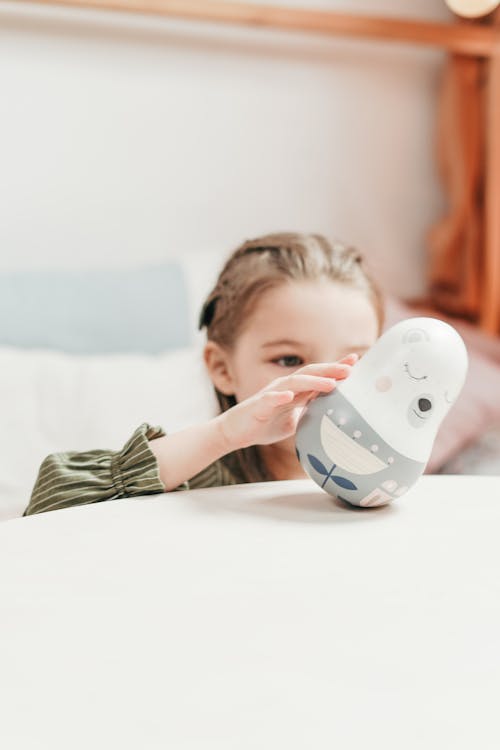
(68, 479)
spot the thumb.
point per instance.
(270, 400)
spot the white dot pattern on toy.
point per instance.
(390, 485)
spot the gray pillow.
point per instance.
(143, 310)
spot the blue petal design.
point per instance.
(346, 484)
(317, 465)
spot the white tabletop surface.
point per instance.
(259, 616)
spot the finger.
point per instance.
(350, 359)
(338, 370)
(329, 369)
(303, 399)
(299, 382)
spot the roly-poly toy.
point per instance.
(368, 441)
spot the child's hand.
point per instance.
(272, 414)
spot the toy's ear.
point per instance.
(415, 336)
(218, 366)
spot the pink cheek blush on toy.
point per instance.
(369, 440)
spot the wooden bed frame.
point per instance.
(465, 38)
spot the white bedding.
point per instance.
(53, 402)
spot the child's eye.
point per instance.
(288, 361)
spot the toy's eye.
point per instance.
(412, 375)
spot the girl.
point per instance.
(289, 315)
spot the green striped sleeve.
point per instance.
(68, 479)
(215, 475)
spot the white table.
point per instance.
(260, 616)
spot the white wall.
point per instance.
(126, 138)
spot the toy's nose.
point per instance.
(424, 404)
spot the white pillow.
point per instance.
(50, 401)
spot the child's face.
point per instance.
(293, 325)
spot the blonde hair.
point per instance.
(262, 264)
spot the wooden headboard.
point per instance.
(464, 38)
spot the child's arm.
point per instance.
(81, 478)
(266, 417)
(152, 462)
(184, 454)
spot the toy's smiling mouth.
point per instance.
(346, 452)
(413, 377)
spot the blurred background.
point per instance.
(126, 134)
(138, 147)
